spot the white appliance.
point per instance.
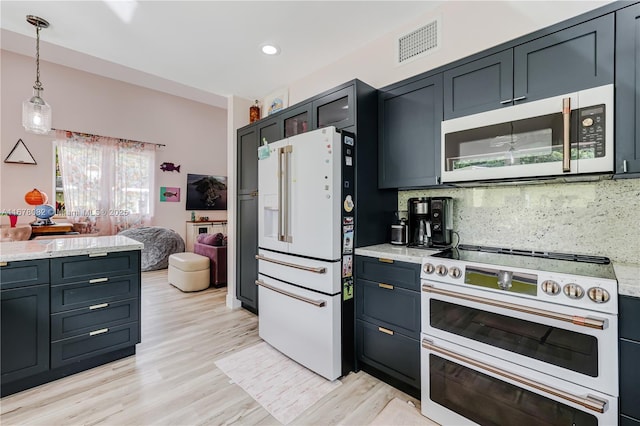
(563, 135)
(305, 238)
(506, 332)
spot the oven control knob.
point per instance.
(441, 270)
(573, 291)
(455, 272)
(550, 287)
(598, 294)
(428, 268)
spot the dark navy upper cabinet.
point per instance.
(565, 61)
(247, 160)
(409, 123)
(480, 85)
(335, 109)
(269, 131)
(296, 120)
(628, 90)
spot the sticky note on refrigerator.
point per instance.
(263, 152)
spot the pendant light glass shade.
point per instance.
(36, 115)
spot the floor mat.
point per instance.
(282, 386)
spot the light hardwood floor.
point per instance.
(173, 379)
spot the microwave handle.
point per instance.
(566, 135)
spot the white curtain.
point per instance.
(107, 183)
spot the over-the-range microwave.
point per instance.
(562, 135)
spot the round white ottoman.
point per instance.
(189, 271)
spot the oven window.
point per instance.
(489, 401)
(566, 349)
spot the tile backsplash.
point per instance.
(597, 218)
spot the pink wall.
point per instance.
(195, 134)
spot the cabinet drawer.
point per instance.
(82, 321)
(396, 355)
(24, 273)
(85, 267)
(85, 346)
(391, 307)
(628, 421)
(401, 274)
(84, 294)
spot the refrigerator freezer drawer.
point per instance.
(315, 275)
(302, 324)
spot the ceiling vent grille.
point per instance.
(420, 42)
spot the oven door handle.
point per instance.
(566, 135)
(589, 401)
(318, 303)
(596, 323)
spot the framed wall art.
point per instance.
(169, 194)
(276, 101)
(206, 192)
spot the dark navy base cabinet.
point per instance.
(64, 315)
(629, 321)
(387, 297)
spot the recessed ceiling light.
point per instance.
(270, 49)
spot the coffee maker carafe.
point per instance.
(419, 225)
(430, 222)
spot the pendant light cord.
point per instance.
(38, 85)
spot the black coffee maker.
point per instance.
(430, 221)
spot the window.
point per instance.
(105, 182)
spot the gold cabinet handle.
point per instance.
(384, 260)
(98, 254)
(98, 280)
(385, 331)
(101, 331)
(387, 286)
(102, 305)
(3, 263)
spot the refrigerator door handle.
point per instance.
(287, 193)
(318, 270)
(281, 155)
(317, 303)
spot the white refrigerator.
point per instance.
(305, 259)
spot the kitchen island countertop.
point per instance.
(628, 276)
(61, 247)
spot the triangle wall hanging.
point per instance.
(20, 154)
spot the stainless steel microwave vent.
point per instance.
(419, 42)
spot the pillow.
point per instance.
(211, 239)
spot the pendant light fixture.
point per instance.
(36, 113)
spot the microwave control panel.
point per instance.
(592, 130)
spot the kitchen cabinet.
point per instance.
(269, 130)
(568, 60)
(73, 313)
(296, 120)
(409, 121)
(387, 303)
(24, 326)
(334, 109)
(247, 216)
(628, 90)
(629, 324)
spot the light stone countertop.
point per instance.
(628, 276)
(396, 252)
(61, 247)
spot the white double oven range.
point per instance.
(512, 337)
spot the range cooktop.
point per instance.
(575, 264)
